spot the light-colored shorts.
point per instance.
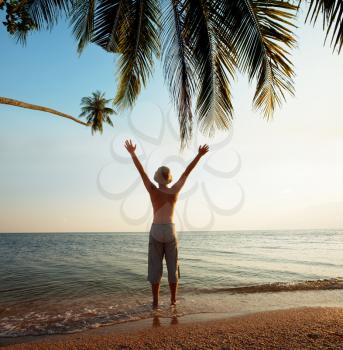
(163, 243)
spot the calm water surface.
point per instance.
(65, 282)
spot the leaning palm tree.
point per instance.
(22, 104)
(94, 108)
(96, 112)
(202, 44)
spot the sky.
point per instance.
(261, 175)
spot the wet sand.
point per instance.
(304, 328)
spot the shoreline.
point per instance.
(126, 327)
(305, 328)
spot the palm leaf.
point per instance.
(109, 18)
(332, 11)
(224, 66)
(138, 45)
(82, 20)
(199, 42)
(213, 65)
(108, 120)
(23, 16)
(177, 66)
(46, 13)
(260, 32)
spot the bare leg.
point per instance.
(173, 288)
(155, 288)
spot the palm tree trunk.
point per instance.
(10, 101)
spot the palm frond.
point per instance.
(108, 120)
(23, 16)
(199, 42)
(332, 11)
(82, 20)
(109, 18)
(224, 68)
(138, 45)
(21, 34)
(46, 13)
(107, 110)
(212, 65)
(177, 67)
(260, 32)
(86, 101)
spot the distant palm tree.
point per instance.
(202, 44)
(94, 109)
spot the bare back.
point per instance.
(163, 202)
(163, 198)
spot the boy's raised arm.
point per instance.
(131, 148)
(179, 184)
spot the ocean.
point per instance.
(52, 283)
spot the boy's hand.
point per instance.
(203, 150)
(130, 146)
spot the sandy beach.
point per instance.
(304, 328)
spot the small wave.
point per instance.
(70, 318)
(323, 284)
(75, 320)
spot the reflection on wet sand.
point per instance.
(156, 322)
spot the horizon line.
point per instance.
(189, 231)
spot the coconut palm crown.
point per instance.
(202, 44)
(94, 109)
